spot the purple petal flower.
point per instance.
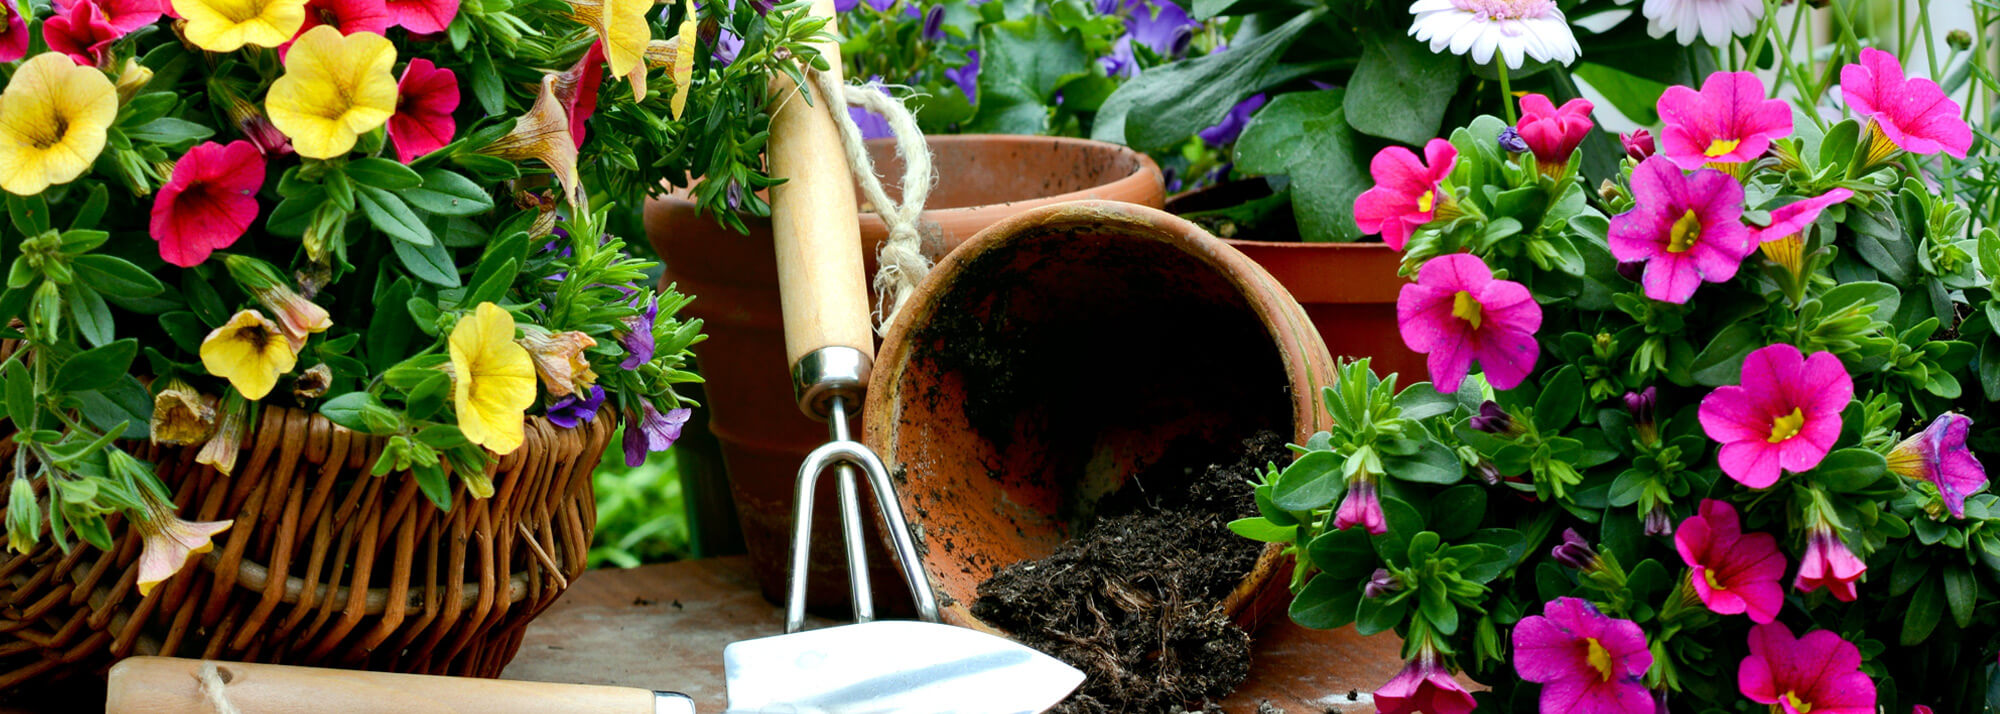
(570, 411)
(1232, 125)
(638, 337)
(651, 431)
(1510, 140)
(1121, 62)
(1938, 454)
(845, 5)
(967, 77)
(934, 24)
(1160, 26)
(727, 46)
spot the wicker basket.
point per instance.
(368, 574)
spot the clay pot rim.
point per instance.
(1361, 246)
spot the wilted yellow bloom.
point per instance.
(543, 133)
(228, 25)
(250, 351)
(684, 63)
(53, 118)
(621, 24)
(335, 88)
(559, 359)
(312, 383)
(181, 415)
(221, 450)
(493, 380)
(168, 542)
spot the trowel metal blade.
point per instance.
(893, 666)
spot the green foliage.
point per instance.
(641, 515)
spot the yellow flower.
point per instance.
(559, 359)
(543, 133)
(228, 25)
(622, 25)
(684, 63)
(335, 89)
(221, 450)
(169, 541)
(53, 116)
(250, 351)
(493, 379)
(181, 415)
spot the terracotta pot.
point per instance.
(734, 279)
(1063, 349)
(1349, 289)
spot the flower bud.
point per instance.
(1510, 139)
(934, 24)
(1640, 404)
(1488, 473)
(1382, 583)
(1575, 552)
(1658, 522)
(132, 79)
(1493, 419)
(221, 449)
(1958, 40)
(1638, 144)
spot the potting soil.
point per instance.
(1135, 601)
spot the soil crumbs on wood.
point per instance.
(1136, 601)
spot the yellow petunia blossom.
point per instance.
(493, 380)
(250, 351)
(228, 25)
(622, 26)
(684, 63)
(168, 543)
(53, 118)
(335, 89)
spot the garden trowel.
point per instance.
(885, 666)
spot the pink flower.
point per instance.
(1819, 673)
(1939, 456)
(1828, 564)
(423, 16)
(13, 32)
(1792, 218)
(1733, 572)
(83, 33)
(1638, 144)
(1913, 113)
(1785, 415)
(1456, 312)
(167, 543)
(1361, 507)
(1687, 228)
(209, 202)
(125, 15)
(1405, 196)
(1553, 134)
(1423, 687)
(1728, 121)
(425, 98)
(348, 16)
(577, 88)
(1587, 663)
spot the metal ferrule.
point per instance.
(829, 372)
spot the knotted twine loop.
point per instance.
(902, 260)
(209, 680)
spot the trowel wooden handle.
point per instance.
(169, 685)
(821, 278)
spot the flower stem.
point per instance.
(1506, 93)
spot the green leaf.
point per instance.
(361, 412)
(94, 368)
(392, 216)
(124, 401)
(1561, 398)
(1456, 512)
(169, 131)
(1311, 482)
(1374, 615)
(116, 276)
(1022, 62)
(1305, 135)
(389, 327)
(448, 193)
(92, 316)
(1326, 603)
(1170, 103)
(1961, 593)
(430, 263)
(1422, 401)
(382, 173)
(1880, 242)
(431, 479)
(1850, 470)
(1345, 554)
(29, 213)
(1634, 96)
(1925, 609)
(1261, 529)
(1400, 88)
(1721, 362)
(1434, 603)
(1434, 464)
(20, 385)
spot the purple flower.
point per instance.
(727, 46)
(1232, 125)
(1575, 552)
(652, 431)
(1510, 139)
(1382, 583)
(1162, 27)
(1938, 454)
(570, 411)
(934, 24)
(1493, 419)
(1121, 62)
(967, 77)
(638, 337)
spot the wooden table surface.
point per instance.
(664, 627)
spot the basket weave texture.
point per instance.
(325, 565)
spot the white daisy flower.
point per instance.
(1478, 28)
(1716, 21)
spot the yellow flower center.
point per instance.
(1427, 200)
(1465, 307)
(1798, 705)
(1709, 574)
(1787, 426)
(1599, 658)
(1719, 147)
(1686, 231)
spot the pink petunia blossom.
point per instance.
(423, 17)
(1552, 133)
(1424, 686)
(577, 88)
(210, 201)
(1938, 455)
(13, 32)
(83, 33)
(1914, 114)
(1728, 121)
(1586, 662)
(1688, 229)
(425, 98)
(1638, 144)
(1792, 218)
(1457, 312)
(125, 15)
(1828, 564)
(1784, 416)
(348, 16)
(1406, 193)
(1361, 507)
(1732, 572)
(1819, 673)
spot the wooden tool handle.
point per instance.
(821, 278)
(169, 685)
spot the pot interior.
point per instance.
(976, 170)
(1055, 364)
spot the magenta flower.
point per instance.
(1793, 218)
(1638, 144)
(209, 202)
(1828, 564)
(1424, 686)
(1728, 121)
(1586, 662)
(1457, 311)
(1732, 572)
(1405, 196)
(425, 98)
(1938, 455)
(13, 31)
(1819, 673)
(1784, 416)
(1686, 228)
(1914, 114)
(423, 16)
(83, 33)
(1362, 507)
(348, 16)
(124, 15)
(1553, 134)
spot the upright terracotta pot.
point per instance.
(734, 278)
(1064, 349)
(1349, 289)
